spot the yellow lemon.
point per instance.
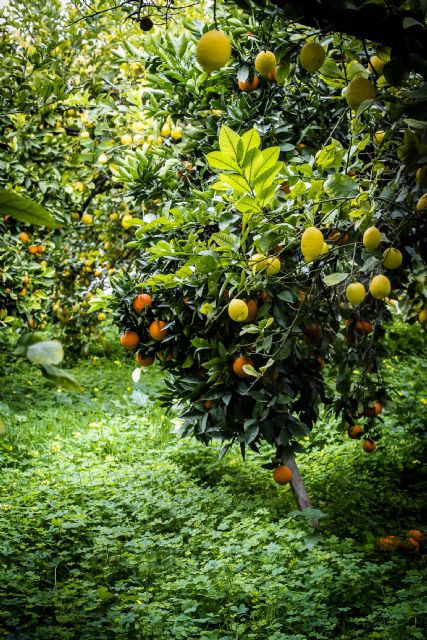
(392, 258)
(273, 266)
(376, 65)
(422, 203)
(176, 133)
(421, 176)
(325, 248)
(85, 135)
(126, 139)
(312, 56)
(238, 310)
(422, 316)
(165, 130)
(258, 262)
(126, 221)
(358, 90)
(87, 219)
(380, 287)
(371, 238)
(101, 317)
(265, 62)
(379, 136)
(213, 50)
(355, 293)
(312, 242)
(103, 158)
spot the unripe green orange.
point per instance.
(358, 90)
(265, 62)
(422, 316)
(422, 203)
(312, 56)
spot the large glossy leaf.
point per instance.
(248, 141)
(339, 185)
(25, 210)
(61, 378)
(335, 278)
(229, 141)
(46, 352)
(221, 160)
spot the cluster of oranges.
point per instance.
(356, 431)
(411, 542)
(156, 330)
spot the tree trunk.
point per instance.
(299, 490)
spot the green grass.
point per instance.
(112, 528)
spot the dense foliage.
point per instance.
(113, 529)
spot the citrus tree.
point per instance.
(297, 237)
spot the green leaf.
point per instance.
(335, 278)
(252, 164)
(270, 157)
(339, 185)
(248, 141)
(220, 160)
(62, 378)
(248, 204)
(237, 183)
(229, 142)
(46, 352)
(25, 210)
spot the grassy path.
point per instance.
(112, 528)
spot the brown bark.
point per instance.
(299, 490)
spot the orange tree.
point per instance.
(293, 256)
(58, 141)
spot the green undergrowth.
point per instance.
(113, 528)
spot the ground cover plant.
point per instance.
(228, 198)
(114, 528)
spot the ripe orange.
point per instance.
(314, 333)
(355, 432)
(389, 543)
(416, 534)
(410, 545)
(252, 310)
(40, 248)
(209, 404)
(282, 474)
(24, 237)
(238, 366)
(141, 301)
(378, 407)
(369, 445)
(33, 248)
(364, 326)
(144, 361)
(130, 340)
(156, 330)
(249, 85)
